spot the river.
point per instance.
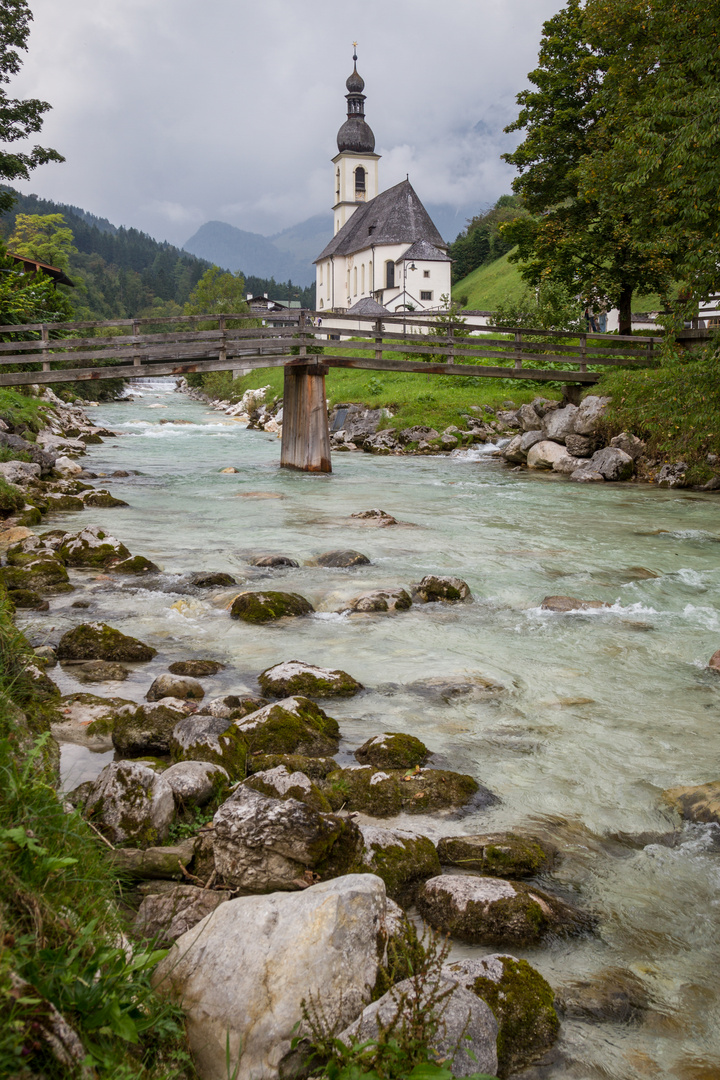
(602, 710)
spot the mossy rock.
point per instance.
(434, 588)
(11, 498)
(196, 669)
(30, 517)
(131, 804)
(97, 641)
(40, 575)
(99, 671)
(25, 598)
(402, 859)
(385, 793)
(212, 580)
(504, 855)
(63, 502)
(343, 559)
(146, 729)
(137, 564)
(393, 750)
(100, 497)
(94, 548)
(295, 725)
(280, 783)
(295, 677)
(521, 1001)
(262, 607)
(210, 738)
(317, 768)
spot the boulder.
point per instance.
(613, 994)
(402, 859)
(611, 462)
(521, 1002)
(93, 547)
(87, 720)
(585, 475)
(449, 442)
(380, 600)
(164, 917)
(581, 446)
(261, 607)
(65, 466)
(47, 575)
(99, 671)
(261, 843)
(296, 677)
(589, 414)
(294, 725)
(233, 706)
(282, 783)
(242, 991)
(506, 855)
(385, 793)
(518, 448)
(316, 768)
(195, 783)
(466, 1032)
(131, 804)
(700, 803)
(433, 587)
(136, 564)
(629, 444)
(211, 580)
(154, 862)
(672, 474)
(393, 750)
(416, 434)
(97, 641)
(449, 687)
(101, 497)
(571, 603)
(714, 661)
(543, 455)
(566, 464)
(274, 562)
(210, 738)
(375, 517)
(344, 559)
(177, 686)
(528, 418)
(19, 472)
(26, 598)
(383, 442)
(496, 911)
(196, 669)
(146, 729)
(559, 423)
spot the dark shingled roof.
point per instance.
(367, 306)
(424, 251)
(396, 216)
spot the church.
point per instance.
(386, 252)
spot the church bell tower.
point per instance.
(356, 163)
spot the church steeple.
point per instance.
(355, 134)
(356, 169)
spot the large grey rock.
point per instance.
(177, 686)
(281, 782)
(93, 547)
(261, 844)
(466, 1032)
(165, 916)
(672, 474)
(140, 730)
(241, 974)
(566, 464)
(194, 783)
(518, 448)
(543, 455)
(629, 443)
(401, 858)
(581, 446)
(131, 804)
(611, 462)
(297, 677)
(435, 587)
(529, 418)
(589, 414)
(380, 600)
(559, 423)
(19, 472)
(210, 738)
(418, 433)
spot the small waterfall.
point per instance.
(151, 384)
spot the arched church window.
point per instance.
(359, 180)
(355, 281)
(389, 274)
(362, 278)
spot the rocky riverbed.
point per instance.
(457, 713)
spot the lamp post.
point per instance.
(412, 266)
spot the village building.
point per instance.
(385, 246)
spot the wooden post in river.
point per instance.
(305, 431)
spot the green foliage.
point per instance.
(482, 241)
(27, 298)
(43, 237)
(194, 821)
(217, 292)
(550, 307)
(21, 410)
(18, 119)
(11, 498)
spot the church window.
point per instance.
(337, 184)
(426, 273)
(389, 274)
(321, 305)
(359, 180)
(370, 275)
(355, 281)
(320, 281)
(362, 278)
(425, 295)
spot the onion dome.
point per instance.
(356, 134)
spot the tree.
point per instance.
(217, 292)
(45, 237)
(481, 241)
(574, 237)
(18, 119)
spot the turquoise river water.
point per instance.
(601, 711)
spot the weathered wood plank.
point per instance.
(131, 371)
(471, 370)
(305, 433)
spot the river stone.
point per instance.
(614, 994)
(153, 862)
(136, 564)
(178, 686)
(584, 475)
(195, 783)
(466, 1033)
(434, 587)
(518, 448)
(19, 472)
(589, 414)
(26, 598)
(87, 720)
(210, 738)
(241, 991)
(528, 418)
(65, 503)
(260, 607)
(521, 1001)
(559, 423)
(385, 793)
(496, 911)
(101, 497)
(196, 669)
(380, 600)
(571, 603)
(166, 916)
(93, 547)
(316, 768)
(700, 803)
(212, 580)
(566, 464)
(393, 750)
(375, 516)
(97, 641)
(402, 859)
(273, 561)
(344, 559)
(281, 783)
(261, 843)
(612, 464)
(629, 443)
(580, 446)
(417, 433)
(233, 706)
(131, 804)
(294, 725)
(99, 671)
(714, 661)
(450, 687)
(504, 855)
(543, 455)
(296, 677)
(47, 575)
(146, 729)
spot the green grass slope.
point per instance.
(492, 284)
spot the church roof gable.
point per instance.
(424, 251)
(367, 306)
(396, 216)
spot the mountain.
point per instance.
(286, 256)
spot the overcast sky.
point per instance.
(175, 112)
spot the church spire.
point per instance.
(355, 135)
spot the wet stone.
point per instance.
(212, 580)
(498, 854)
(570, 603)
(614, 994)
(342, 559)
(99, 671)
(274, 562)
(98, 641)
(393, 750)
(261, 607)
(296, 677)
(196, 669)
(434, 587)
(387, 792)
(177, 686)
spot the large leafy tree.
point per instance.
(217, 292)
(45, 237)
(570, 123)
(19, 119)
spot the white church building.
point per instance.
(385, 249)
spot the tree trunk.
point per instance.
(625, 310)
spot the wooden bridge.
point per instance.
(307, 345)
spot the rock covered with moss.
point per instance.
(281, 783)
(316, 768)
(98, 641)
(696, 803)
(92, 671)
(380, 600)
(196, 669)
(342, 559)
(294, 725)
(101, 497)
(147, 729)
(234, 706)
(434, 587)
(296, 677)
(210, 738)
(131, 804)
(93, 547)
(45, 575)
(387, 792)
(393, 750)
(177, 686)
(262, 607)
(196, 783)
(136, 564)
(521, 1001)
(87, 719)
(212, 580)
(401, 858)
(496, 911)
(498, 854)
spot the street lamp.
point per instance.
(412, 266)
